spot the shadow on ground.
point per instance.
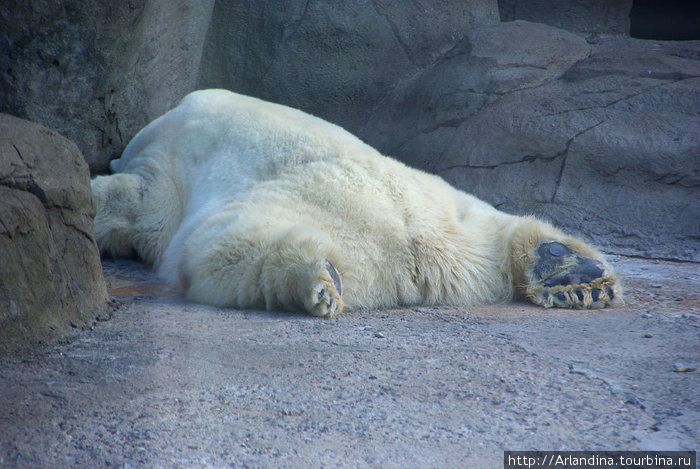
(166, 383)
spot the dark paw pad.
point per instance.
(559, 265)
(585, 271)
(552, 257)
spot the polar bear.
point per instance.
(248, 204)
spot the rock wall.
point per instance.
(590, 18)
(537, 109)
(50, 274)
(337, 60)
(603, 139)
(98, 71)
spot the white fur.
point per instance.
(239, 202)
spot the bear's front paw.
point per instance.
(563, 278)
(324, 298)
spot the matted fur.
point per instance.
(240, 202)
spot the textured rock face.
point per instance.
(337, 60)
(50, 274)
(561, 115)
(592, 18)
(603, 139)
(98, 71)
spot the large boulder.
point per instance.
(50, 275)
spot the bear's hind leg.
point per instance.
(552, 269)
(258, 267)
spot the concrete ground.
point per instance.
(166, 383)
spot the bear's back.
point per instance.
(217, 136)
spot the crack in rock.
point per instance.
(618, 100)
(565, 154)
(29, 184)
(395, 32)
(629, 397)
(294, 24)
(525, 159)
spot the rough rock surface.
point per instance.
(602, 139)
(172, 384)
(570, 120)
(336, 60)
(98, 71)
(591, 18)
(50, 274)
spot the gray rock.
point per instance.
(418, 122)
(337, 60)
(98, 71)
(683, 367)
(50, 274)
(611, 149)
(603, 140)
(591, 18)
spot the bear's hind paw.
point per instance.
(563, 278)
(325, 298)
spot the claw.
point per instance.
(334, 275)
(610, 292)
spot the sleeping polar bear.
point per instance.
(248, 204)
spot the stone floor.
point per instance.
(166, 383)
